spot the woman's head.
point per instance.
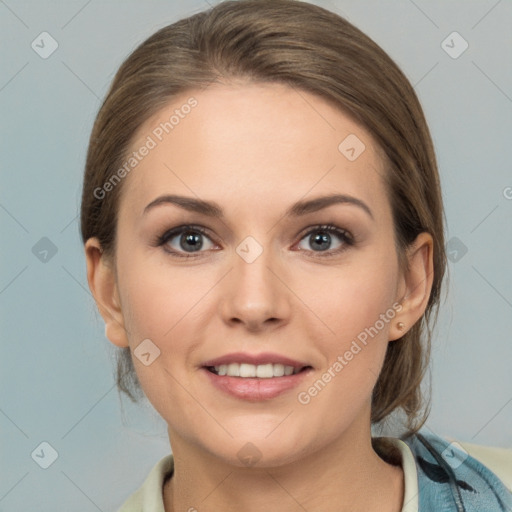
(256, 106)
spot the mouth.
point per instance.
(253, 377)
(260, 371)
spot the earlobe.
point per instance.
(416, 285)
(103, 286)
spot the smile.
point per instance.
(255, 377)
(260, 371)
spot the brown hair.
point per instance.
(311, 49)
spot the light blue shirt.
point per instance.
(451, 480)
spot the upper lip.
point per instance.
(255, 359)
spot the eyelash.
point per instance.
(343, 234)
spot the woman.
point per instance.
(263, 228)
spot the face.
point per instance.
(269, 281)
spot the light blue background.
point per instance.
(56, 374)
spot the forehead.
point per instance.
(246, 141)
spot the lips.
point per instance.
(255, 376)
(255, 359)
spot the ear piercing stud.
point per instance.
(400, 326)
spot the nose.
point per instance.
(254, 293)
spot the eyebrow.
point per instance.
(212, 209)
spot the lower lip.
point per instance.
(255, 389)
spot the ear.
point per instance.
(102, 283)
(415, 284)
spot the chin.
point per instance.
(250, 448)
(261, 455)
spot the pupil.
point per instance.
(192, 239)
(317, 239)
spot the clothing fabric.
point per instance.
(439, 476)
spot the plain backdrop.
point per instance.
(56, 371)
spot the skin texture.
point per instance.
(255, 149)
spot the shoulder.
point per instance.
(148, 497)
(498, 460)
(465, 474)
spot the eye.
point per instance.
(320, 238)
(183, 241)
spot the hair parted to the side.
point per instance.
(308, 48)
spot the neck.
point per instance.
(346, 475)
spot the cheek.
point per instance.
(161, 312)
(353, 356)
(167, 307)
(356, 311)
(156, 299)
(352, 299)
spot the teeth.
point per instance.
(261, 371)
(278, 369)
(233, 370)
(288, 370)
(247, 370)
(265, 371)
